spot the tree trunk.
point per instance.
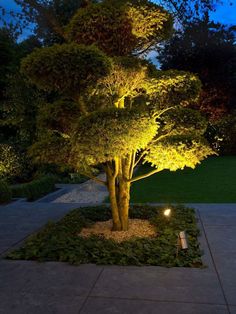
(114, 206)
(124, 199)
(119, 192)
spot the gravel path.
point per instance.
(87, 192)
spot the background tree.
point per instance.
(46, 17)
(207, 49)
(185, 11)
(18, 99)
(8, 65)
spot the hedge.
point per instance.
(5, 192)
(34, 189)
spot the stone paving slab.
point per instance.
(30, 287)
(19, 220)
(232, 309)
(12, 277)
(124, 306)
(160, 284)
(28, 303)
(55, 278)
(219, 223)
(217, 214)
(222, 239)
(227, 264)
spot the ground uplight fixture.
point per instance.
(167, 212)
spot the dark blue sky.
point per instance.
(224, 13)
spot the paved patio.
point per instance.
(32, 287)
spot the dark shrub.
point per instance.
(35, 189)
(5, 192)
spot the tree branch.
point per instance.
(158, 114)
(143, 176)
(94, 179)
(132, 165)
(140, 157)
(144, 50)
(161, 137)
(116, 172)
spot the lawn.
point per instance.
(213, 181)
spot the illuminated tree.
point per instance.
(120, 28)
(9, 162)
(115, 112)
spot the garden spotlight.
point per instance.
(167, 212)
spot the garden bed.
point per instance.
(62, 241)
(5, 193)
(34, 189)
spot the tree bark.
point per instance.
(111, 183)
(124, 199)
(119, 191)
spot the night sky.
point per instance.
(225, 14)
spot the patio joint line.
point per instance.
(90, 290)
(152, 300)
(213, 261)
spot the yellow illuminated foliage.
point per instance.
(9, 162)
(66, 68)
(105, 135)
(150, 23)
(120, 27)
(175, 153)
(164, 89)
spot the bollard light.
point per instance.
(183, 240)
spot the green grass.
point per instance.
(213, 181)
(61, 241)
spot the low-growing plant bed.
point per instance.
(62, 241)
(34, 189)
(74, 178)
(5, 193)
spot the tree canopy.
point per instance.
(116, 110)
(120, 28)
(66, 68)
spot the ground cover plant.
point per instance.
(5, 192)
(213, 181)
(61, 241)
(35, 189)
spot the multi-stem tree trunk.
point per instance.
(119, 174)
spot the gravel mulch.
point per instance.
(88, 192)
(138, 228)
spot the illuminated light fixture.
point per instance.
(167, 212)
(183, 240)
